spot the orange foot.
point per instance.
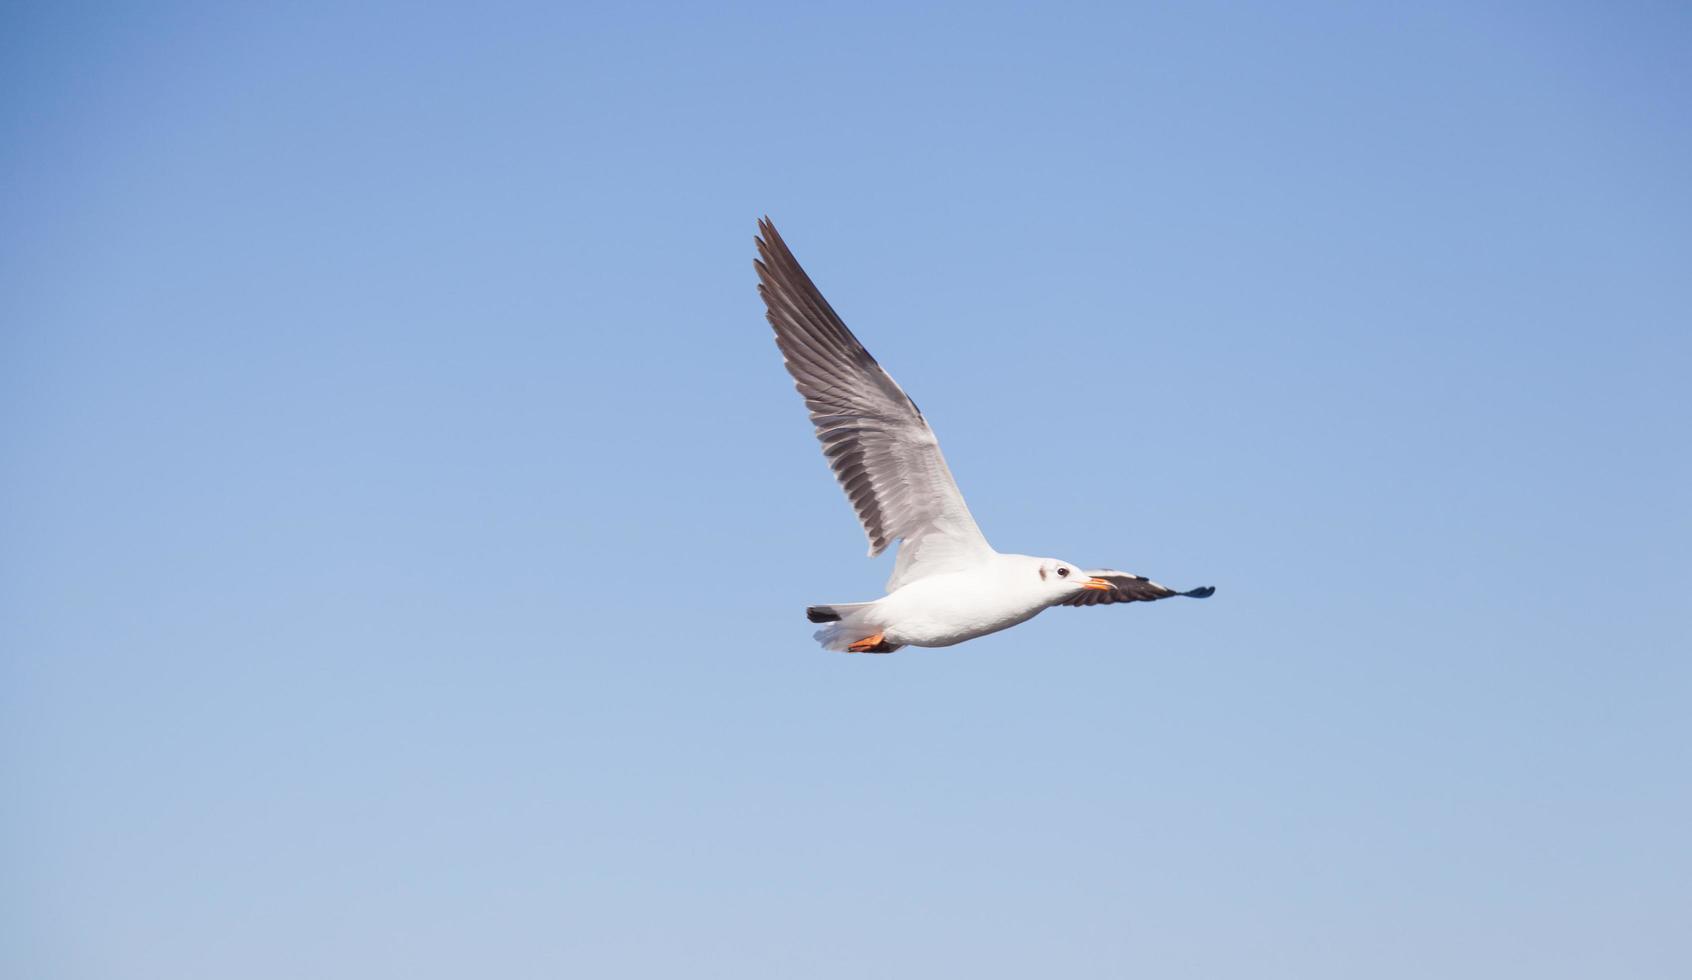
(875, 644)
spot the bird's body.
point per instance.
(948, 584)
(949, 608)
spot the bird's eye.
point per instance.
(1063, 573)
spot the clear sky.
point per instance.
(406, 522)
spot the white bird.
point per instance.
(948, 584)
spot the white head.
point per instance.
(1065, 578)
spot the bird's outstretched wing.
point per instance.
(1128, 588)
(882, 450)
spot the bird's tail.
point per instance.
(847, 623)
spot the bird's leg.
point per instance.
(875, 644)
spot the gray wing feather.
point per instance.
(1126, 587)
(875, 439)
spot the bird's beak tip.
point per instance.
(1096, 584)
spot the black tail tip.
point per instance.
(1202, 592)
(821, 614)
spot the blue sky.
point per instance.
(407, 522)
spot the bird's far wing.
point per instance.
(880, 447)
(1128, 588)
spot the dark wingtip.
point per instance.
(821, 614)
(1202, 592)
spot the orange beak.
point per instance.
(1097, 585)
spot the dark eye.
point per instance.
(1063, 573)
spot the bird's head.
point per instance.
(1064, 578)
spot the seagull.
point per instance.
(948, 584)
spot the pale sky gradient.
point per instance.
(406, 523)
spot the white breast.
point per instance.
(945, 609)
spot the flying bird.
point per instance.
(948, 584)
